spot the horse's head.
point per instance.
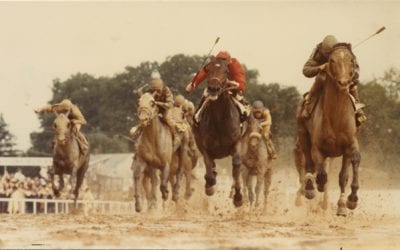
(62, 128)
(254, 140)
(147, 108)
(217, 76)
(341, 65)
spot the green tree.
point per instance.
(109, 104)
(6, 139)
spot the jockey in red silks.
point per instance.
(236, 77)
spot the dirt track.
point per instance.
(213, 222)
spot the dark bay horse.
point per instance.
(218, 132)
(67, 157)
(331, 131)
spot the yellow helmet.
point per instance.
(64, 105)
(327, 44)
(179, 100)
(257, 106)
(156, 84)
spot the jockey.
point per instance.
(263, 115)
(186, 106)
(236, 77)
(317, 62)
(74, 115)
(164, 99)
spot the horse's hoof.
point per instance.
(210, 190)
(321, 188)
(175, 198)
(341, 211)
(237, 200)
(309, 194)
(351, 204)
(138, 207)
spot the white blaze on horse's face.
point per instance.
(147, 109)
(62, 127)
(341, 67)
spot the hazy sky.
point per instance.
(43, 41)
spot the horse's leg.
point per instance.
(164, 181)
(343, 178)
(137, 179)
(154, 184)
(325, 200)
(299, 162)
(248, 182)
(259, 184)
(236, 163)
(305, 146)
(267, 184)
(352, 198)
(245, 175)
(61, 180)
(56, 191)
(188, 177)
(179, 172)
(80, 176)
(147, 187)
(210, 175)
(319, 161)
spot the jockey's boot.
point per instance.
(306, 109)
(197, 114)
(360, 116)
(270, 148)
(242, 105)
(136, 134)
(82, 143)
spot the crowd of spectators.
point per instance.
(18, 186)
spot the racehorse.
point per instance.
(153, 150)
(331, 131)
(256, 161)
(67, 156)
(218, 132)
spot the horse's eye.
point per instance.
(54, 126)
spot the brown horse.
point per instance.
(331, 131)
(154, 149)
(256, 162)
(67, 158)
(218, 133)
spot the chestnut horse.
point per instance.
(331, 131)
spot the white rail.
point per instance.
(65, 206)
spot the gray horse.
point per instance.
(154, 151)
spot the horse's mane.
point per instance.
(343, 46)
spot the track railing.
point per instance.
(54, 206)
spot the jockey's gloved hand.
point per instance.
(189, 87)
(323, 66)
(233, 83)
